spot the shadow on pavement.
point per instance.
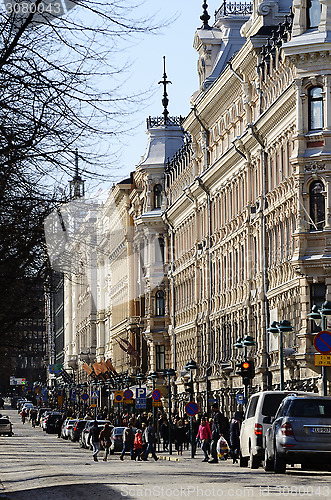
(87, 491)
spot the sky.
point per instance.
(176, 43)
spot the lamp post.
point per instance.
(170, 373)
(244, 343)
(283, 326)
(153, 376)
(319, 315)
(191, 366)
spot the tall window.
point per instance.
(160, 357)
(159, 298)
(159, 250)
(157, 196)
(315, 102)
(317, 205)
(314, 10)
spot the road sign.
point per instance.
(85, 396)
(156, 403)
(322, 359)
(212, 400)
(156, 395)
(240, 399)
(93, 405)
(141, 403)
(94, 395)
(322, 342)
(128, 394)
(118, 396)
(192, 408)
(141, 392)
(128, 401)
(73, 394)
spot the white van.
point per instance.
(261, 408)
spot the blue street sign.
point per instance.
(156, 395)
(322, 342)
(240, 399)
(212, 400)
(94, 395)
(84, 396)
(44, 394)
(73, 395)
(192, 408)
(141, 403)
(128, 394)
(141, 392)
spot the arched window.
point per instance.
(315, 102)
(157, 196)
(317, 205)
(314, 9)
(159, 298)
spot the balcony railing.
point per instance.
(234, 9)
(159, 121)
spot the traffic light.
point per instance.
(247, 371)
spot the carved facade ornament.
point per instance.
(314, 165)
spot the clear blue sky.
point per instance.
(176, 43)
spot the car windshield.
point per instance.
(271, 403)
(4, 421)
(119, 430)
(310, 408)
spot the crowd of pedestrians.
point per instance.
(217, 437)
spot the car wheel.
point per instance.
(243, 461)
(268, 464)
(279, 463)
(254, 461)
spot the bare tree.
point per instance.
(60, 88)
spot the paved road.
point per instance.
(35, 465)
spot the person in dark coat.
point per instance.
(128, 440)
(180, 436)
(235, 434)
(220, 428)
(164, 430)
(94, 438)
(149, 438)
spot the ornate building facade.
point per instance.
(233, 231)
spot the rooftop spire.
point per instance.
(205, 16)
(76, 184)
(165, 100)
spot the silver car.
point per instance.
(5, 426)
(300, 434)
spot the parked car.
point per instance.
(85, 432)
(300, 434)
(6, 426)
(43, 419)
(66, 427)
(261, 409)
(27, 407)
(116, 439)
(76, 430)
(50, 421)
(41, 412)
(20, 403)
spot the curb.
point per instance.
(170, 459)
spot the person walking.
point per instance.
(220, 428)
(94, 438)
(235, 434)
(164, 430)
(180, 436)
(137, 445)
(204, 435)
(33, 417)
(104, 436)
(149, 436)
(23, 415)
(128, 440)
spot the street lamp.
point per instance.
(244, 343)
(169, 373)
(191, 366)
(319, 315)
(283, 326)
